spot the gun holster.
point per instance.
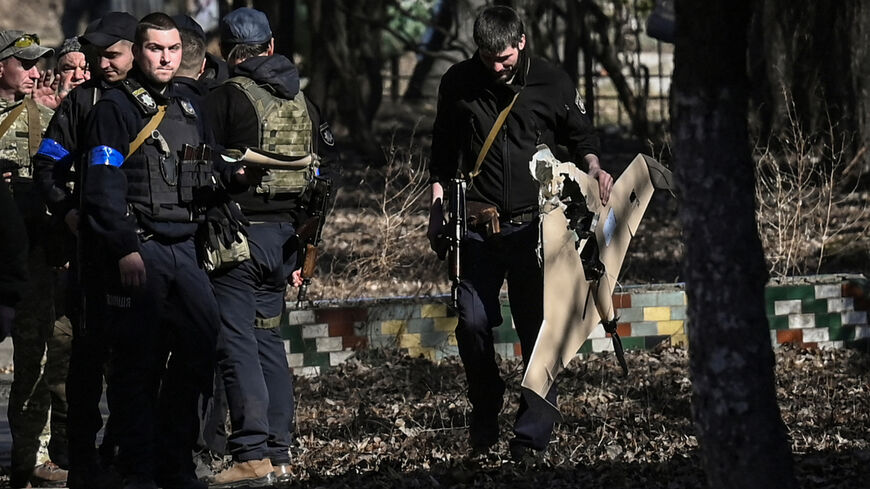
(483, 218)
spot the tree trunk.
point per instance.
(787, 36)
(739, 428)
(346, 80)
(282, 16)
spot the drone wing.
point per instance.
(573, 305)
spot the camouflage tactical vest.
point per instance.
(16, 147)
(284, 128)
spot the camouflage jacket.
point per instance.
(15, 145)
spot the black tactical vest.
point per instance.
(161, 184)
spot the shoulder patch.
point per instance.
(578, 101)
(145, 98)
(187, 107)
(326, 134)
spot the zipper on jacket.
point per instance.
(506, 166)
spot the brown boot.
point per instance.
(283, 474)
(253, 473)
(48, 474)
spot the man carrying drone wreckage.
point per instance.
(512, 211)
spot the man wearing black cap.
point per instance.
(264, 87)
(34, 389)
(142, 199)
(108, 45)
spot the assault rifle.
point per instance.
(315, 201)
(457, 226)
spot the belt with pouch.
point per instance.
(520, 218)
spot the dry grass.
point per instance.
(807, 216)
(375, 241)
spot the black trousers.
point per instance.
(486, 264)
(163, 337)
(251, 356)
(87, 368)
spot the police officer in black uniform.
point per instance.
(108, 43)
(542, 107)
(142, 200)
(187, 79)
(263, 91)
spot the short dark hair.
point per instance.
(243, 51)
(192, 52)
(155, 20)
(498, 28)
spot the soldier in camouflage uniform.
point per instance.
(261, 106)
(40, 327)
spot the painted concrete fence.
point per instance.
(824, 311)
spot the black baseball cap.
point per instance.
(245, 26)
(111, 28)
(187, 23)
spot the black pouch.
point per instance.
(222, 242)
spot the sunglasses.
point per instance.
(24, 41)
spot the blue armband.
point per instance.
(52, 149)
(104, 155)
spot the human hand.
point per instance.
(251, 175)
(435, 231)
(45, 90)
(296, 278)
(132, 270)
(605, 183)
(64, 83)
(7, 177)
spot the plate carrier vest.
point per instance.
(284, 128)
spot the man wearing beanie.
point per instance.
(72, 67)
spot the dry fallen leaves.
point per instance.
(388, 420)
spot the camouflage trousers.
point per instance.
(41, 330)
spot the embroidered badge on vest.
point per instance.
(326, 134)
(187, 107)
(145, 98)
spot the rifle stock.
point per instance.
(310, 262)
(309, 233)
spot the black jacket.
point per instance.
(547, 111)
(61, 146)
(235, 125)
(57, 163)
(113, 124)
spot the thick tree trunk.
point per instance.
(739, 428)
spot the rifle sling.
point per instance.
(34, 126)
(490, 138)
(146, 131)
(10, 119)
